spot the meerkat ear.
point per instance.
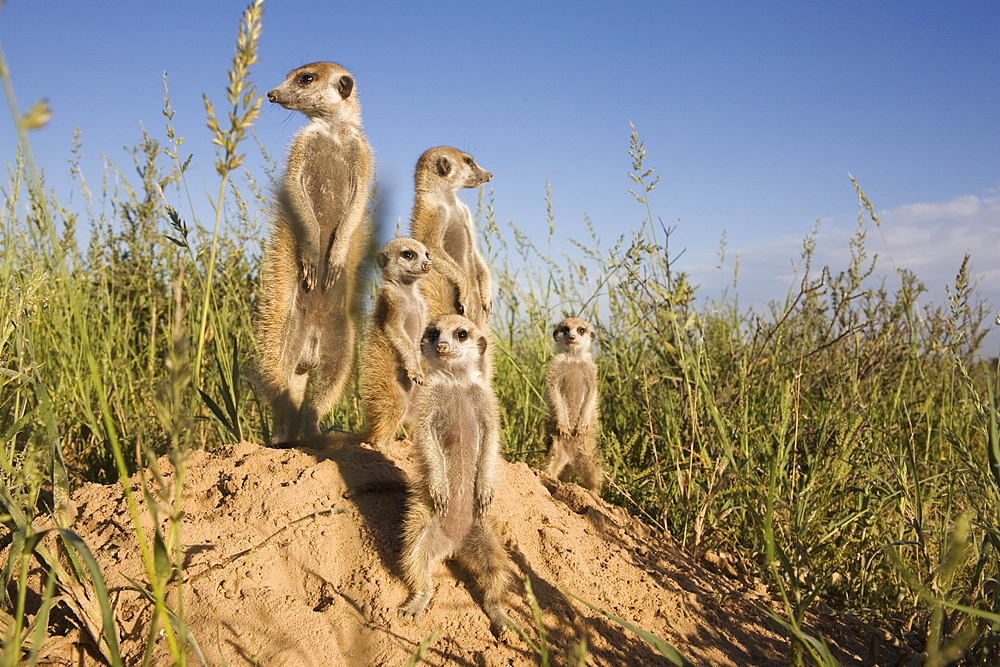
(345, 86)
(443, 166)
(482, 345)
(382, 259)
(592, 335)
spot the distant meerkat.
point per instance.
(390, 366)
(571, 395)
(460, 282)
(456, 439)
(310, 301)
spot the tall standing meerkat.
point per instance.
(456, 440)
(310, 301)
(390, 367)
(460, 282)
(571, 396)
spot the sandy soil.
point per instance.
(324, 590)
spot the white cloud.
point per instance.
(929, 239)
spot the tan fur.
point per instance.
(310, 300)
(571, 395)
(456, 440)
(391, 367)
(460, 282)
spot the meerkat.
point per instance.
(456, 440)
(460, 282)
(310, 300)
(571, 396)
(390, 368)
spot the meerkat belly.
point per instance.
(461, 446)
(413, 324)
(331, 185)
(573, 387)
(457, 240)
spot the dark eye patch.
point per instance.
(461, 334)
(306, 79)
(408, 254)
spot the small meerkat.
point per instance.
(456, 440)
(310, 300)
(460, 282)
(390, 368)
(571, 396)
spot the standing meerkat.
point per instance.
(571, 396)
(456, 440)
(460, 282)
(310, 301)
(390, 366)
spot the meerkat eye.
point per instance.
(306, 79)
(564, 330)
(408, 254)
(461, 334)
(433, 334)
(469, 161)
(581, 331)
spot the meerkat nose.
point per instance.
(272, 96)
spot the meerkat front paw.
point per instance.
(307, 270)
(484, 498)
(332, 276)
(439, 498)
(416, 376)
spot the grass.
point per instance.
(840, 445)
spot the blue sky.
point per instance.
(752, 113)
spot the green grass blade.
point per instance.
(101, 592)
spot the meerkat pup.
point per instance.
(456, 439)
(571, 396)
(310, 300)
(390, 367)
(460, 282)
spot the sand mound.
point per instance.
(324, 590)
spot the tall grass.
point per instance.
(840, 445)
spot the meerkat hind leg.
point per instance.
(329, 379)
(560, 455)
(419, 560)
(589, 472)
(287, 410)
(483, 556)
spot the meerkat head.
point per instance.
(404, 259)
(319, 90)
(449, 167)
(453, 343)
(573, 334)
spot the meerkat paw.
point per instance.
(499, 622)
(416, 376)
(308, 271)
(332, 276)
(415, 606)
(439, 499)
(484, 498)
